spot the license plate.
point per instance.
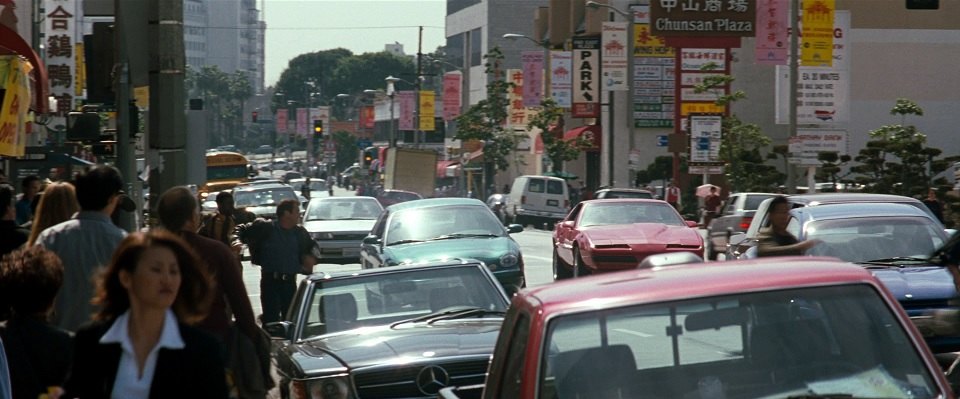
(553, 203)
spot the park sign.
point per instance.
(670, 18)
(586, 77)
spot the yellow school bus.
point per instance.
(225, 170)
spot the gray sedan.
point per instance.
(339, 224)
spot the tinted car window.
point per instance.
(627, 194)
(535, 186)
(865, 239)
(753, 201)
(554, 187)
(446, 221)
(601, 214)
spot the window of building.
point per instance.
(476, 47)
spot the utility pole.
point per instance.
(794, 73)
(166, 70)
(125, 19)
(416, 87)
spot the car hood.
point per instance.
(406, 342)
(314, 226)
(641, 233)
(489, 250)
(917, 283)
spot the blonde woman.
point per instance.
(57, 204)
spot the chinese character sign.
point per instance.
(613, 56)
(407, 104)
(451, 95)
(561, 77)
(703, 17)
(62, 25)
(14, 105)
(772, 39)
(516, 111)
(532, 62)
(427, 110)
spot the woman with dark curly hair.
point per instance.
(38, 353)
(140, 344)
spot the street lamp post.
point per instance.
(630, 78)
(391, 92)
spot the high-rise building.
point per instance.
(227, 34)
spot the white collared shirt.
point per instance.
(127, 384)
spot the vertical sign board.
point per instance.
(451, 95)
(407, 104)
(532, 62)
(561, 77)
(822, 92)
(14, 105)
(586, 77)
(320, 114)
(705, 136)
(654, 74)
(772, 40)
(62, 26)
(816, 33)
(518, 116)
(427, 110)
(302, 116)
(281, 121)
(614, 56)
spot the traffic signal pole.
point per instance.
(126, 156)
(165, 67)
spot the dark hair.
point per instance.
(176, 207)
(287, 205)
(28, 180)
(196, 285)
(6, 196)
(30, 279)
(95, 185)
(777, 200)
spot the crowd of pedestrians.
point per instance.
(88, 310)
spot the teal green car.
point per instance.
(442, 229)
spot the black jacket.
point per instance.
(39, 355)
(196, 371)
(255, 233)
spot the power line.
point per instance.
(315, 28)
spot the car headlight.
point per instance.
(321, 388)
(509, 260)
(321, 236)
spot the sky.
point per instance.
(297, 27)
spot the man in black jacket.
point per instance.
(282, 249)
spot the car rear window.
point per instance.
(554, 187)
(753, 201)
(535, 186)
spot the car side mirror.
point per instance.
(691, 223)
(514, 228)
(737, 238)
(279, 329)
(371, 240)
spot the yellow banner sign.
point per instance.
(816, 45)
(14, 105)
(688, 108)
(427, 111)
(648, 45)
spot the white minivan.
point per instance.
(538, 199)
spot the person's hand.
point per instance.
(237, 248)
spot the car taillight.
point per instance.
(745, 222)
(523, 199)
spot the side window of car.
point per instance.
(535, 186)
(574, 213)
(516, 357)
(793, 226)
(731, 204)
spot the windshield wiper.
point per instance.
(462, 235)
(450, 313)
(403, 242)
(895, 259)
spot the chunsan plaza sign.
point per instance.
(702, 18)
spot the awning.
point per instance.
(591, 132)
(10, 40)
(447, 168)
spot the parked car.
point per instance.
(397, 332)
(279, 164)
(615, 234)
(538, 199)
(264, 149)
(290, 175)
(444, 228)
(389, 197)
(339, 224)
(262, 199)
(740, 243)
(797, 327)
(622, 193)
(894, 242)
(318, 187)
(734, 217)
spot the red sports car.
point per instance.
(615, 234)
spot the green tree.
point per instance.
(896, 158)
(485, 120)
(549, 120)
(347, 151)
(357, 73)
(741, 143)
(223, 95)
(316, 68)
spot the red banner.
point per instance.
(282, 121)
(408, 106)
(367, 118)
(451, 95)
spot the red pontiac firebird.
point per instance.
(615, 234)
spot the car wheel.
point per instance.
(579, 270)
(560, 270)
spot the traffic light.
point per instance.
(253, 116)
(318, 128)
(367, 160)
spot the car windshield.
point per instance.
(872, 238)
(344, 209)
(602, 214)
(429, 223)
(382, 299)
(839, 341)
(401, 196)
(628, 194)
(264, 197)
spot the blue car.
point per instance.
(892, 240)
(439, 229)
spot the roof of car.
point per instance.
(626, 190)
(612, 200)
(261, 186)
(824, 198)
(852, 210)
(709, 279)
(432, 202)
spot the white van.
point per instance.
(538, 199)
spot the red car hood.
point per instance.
(642, 233)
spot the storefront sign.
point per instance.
(702, 17)
(532, 62)
(613, 56)
(451, 95)
(586, 77)
(561, 77)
